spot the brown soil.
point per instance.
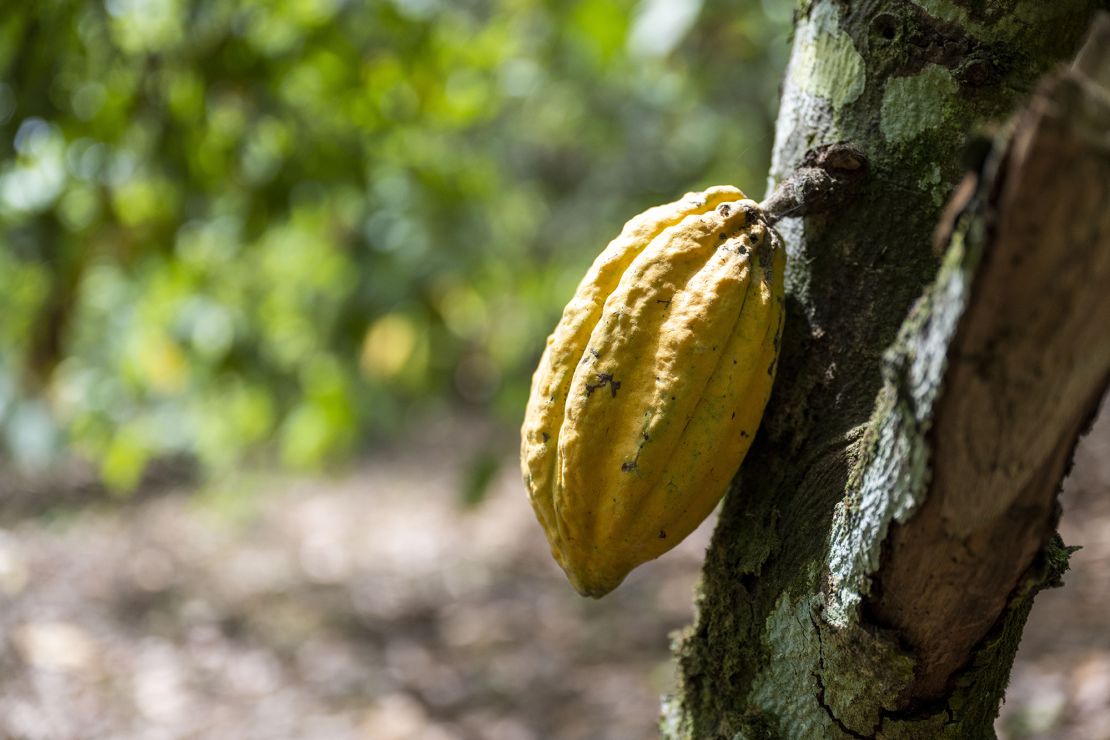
(375, 604)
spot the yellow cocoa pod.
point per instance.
(653, 384)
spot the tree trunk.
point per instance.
(871, 572)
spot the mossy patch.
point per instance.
(827, 63)
(914, 105)
(1008, 21)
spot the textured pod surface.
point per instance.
(653, 384)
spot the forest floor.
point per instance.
(377, 604)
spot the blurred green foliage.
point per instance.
(287, 225)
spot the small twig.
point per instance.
(827, 176)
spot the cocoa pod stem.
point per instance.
(826, 179)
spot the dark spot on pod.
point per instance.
(603, 379)
(546, 436)
(662, 534)
(744, 434)
(724, 209)
(628, 467)
(733, 415)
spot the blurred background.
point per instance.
(289, 228)
(273, 278)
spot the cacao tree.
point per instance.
(874, 563)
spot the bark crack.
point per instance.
(818, 677)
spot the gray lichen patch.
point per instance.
(916, 104)
(826, 62)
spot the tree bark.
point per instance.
(872, 569)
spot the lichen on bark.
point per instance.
(891, 477)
